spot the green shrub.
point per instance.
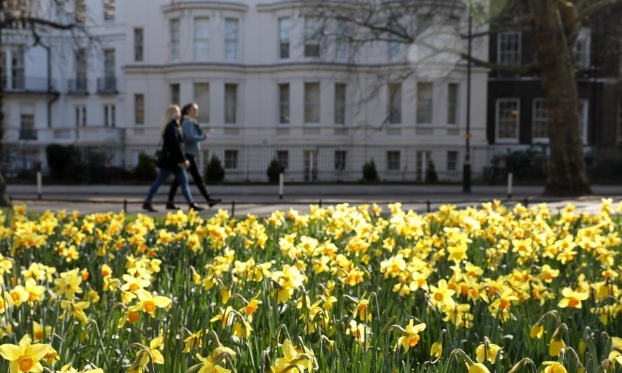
(145, 170)
(275, 168)
(369, 171)
(214, 171)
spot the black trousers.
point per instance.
(198, 180)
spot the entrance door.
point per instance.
(423, 158)
(310, 165)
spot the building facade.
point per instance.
(268, 87)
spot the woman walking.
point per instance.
(192, 136)
(172, 160)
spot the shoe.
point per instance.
(147, 206)
(171, 206)
(211, 202)
(195, 207)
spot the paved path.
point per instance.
(263, 199)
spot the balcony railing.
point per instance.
(77, 86)
(107, 85)
(22, 83)
(27, 134)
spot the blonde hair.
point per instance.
(169, 115)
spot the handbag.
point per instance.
(159, 154)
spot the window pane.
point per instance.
(424, 103)
(139, 109)
(340, 160)
(340, 103)
(312, 102)
(283, 157)
(395, 103)
(109, 10)
(231, 39)
(582, 47)
(109, 62)
(507, 114)
(312, 37)
(284, 103)
(393, 160)
(284, 30)
(80, 11)
(509, 45)
(201, 96)
(540, 120)
(231, 159)
(452, 103)
(201, 39)
(175, 94)
(452, 160)
(342, 45)
(231, 103)
(138, 44)
(175, 38)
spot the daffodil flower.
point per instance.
(24, 357)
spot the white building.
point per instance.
(266, 86)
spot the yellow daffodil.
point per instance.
(410, 337)
(24, 357)
(436, 350)
(303, 360)
(616, 350)
(537, 331)
(478, 368)
(554, 367)
(489, 353)
(555, 346)
(572, 299)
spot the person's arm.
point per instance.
(190, 132)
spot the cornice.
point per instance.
(211, 5)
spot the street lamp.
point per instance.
(466, 169)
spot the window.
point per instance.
(284, 30)
(109, 63)
(583, 112)
(312, 102)
(139, 53)
(342, 42)
(582, 47)
(312, 37)
(139, 108)
(231, 159)
(109, 10)
(18, 77)
(395, 48)
(452, 103)
(175, 39)
(340, 160)
(507, 119)
(424, 103)
(619, 121)
(509, 48)
(452, 160)
(395, 103)
(201, 39)
(3, 66)
(424, 159)
(282, 156)
(80, 11)
(175, 93)
(284, 103)
(393, 161)
(540, 120)
(81, 115)
(81, 70)
(201, 97)
(340, 103)
(231, 39)
(109, 116)
(27, 122)
(231, 103)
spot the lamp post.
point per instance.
(466, 169)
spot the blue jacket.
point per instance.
(192, 136)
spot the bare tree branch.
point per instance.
(596, 7)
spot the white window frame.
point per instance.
(308, 104)
(500, 42)
(284, 37)
(583, 58)
(109, 10)
(110, 115)
(284, 105)
(175, 39)
(232, 39)
(341, 163)
(27, 111)
(81, 116)
(342, 42)
(341, 107)
(226, 160)
(453, 107)
(201, 38)
(420, 104)
(139, 45)
(175, 93)
(236, 105)
(204, 105)
(498, 103)
(457, 154)
(391, 100)
(535, 119)
(390, 164)
(284, 161)
(139, 112)
(311, 37)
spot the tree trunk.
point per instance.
(566, 171)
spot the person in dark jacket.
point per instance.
(192, 136)
(172, 160)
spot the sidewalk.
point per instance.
(262, 200)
